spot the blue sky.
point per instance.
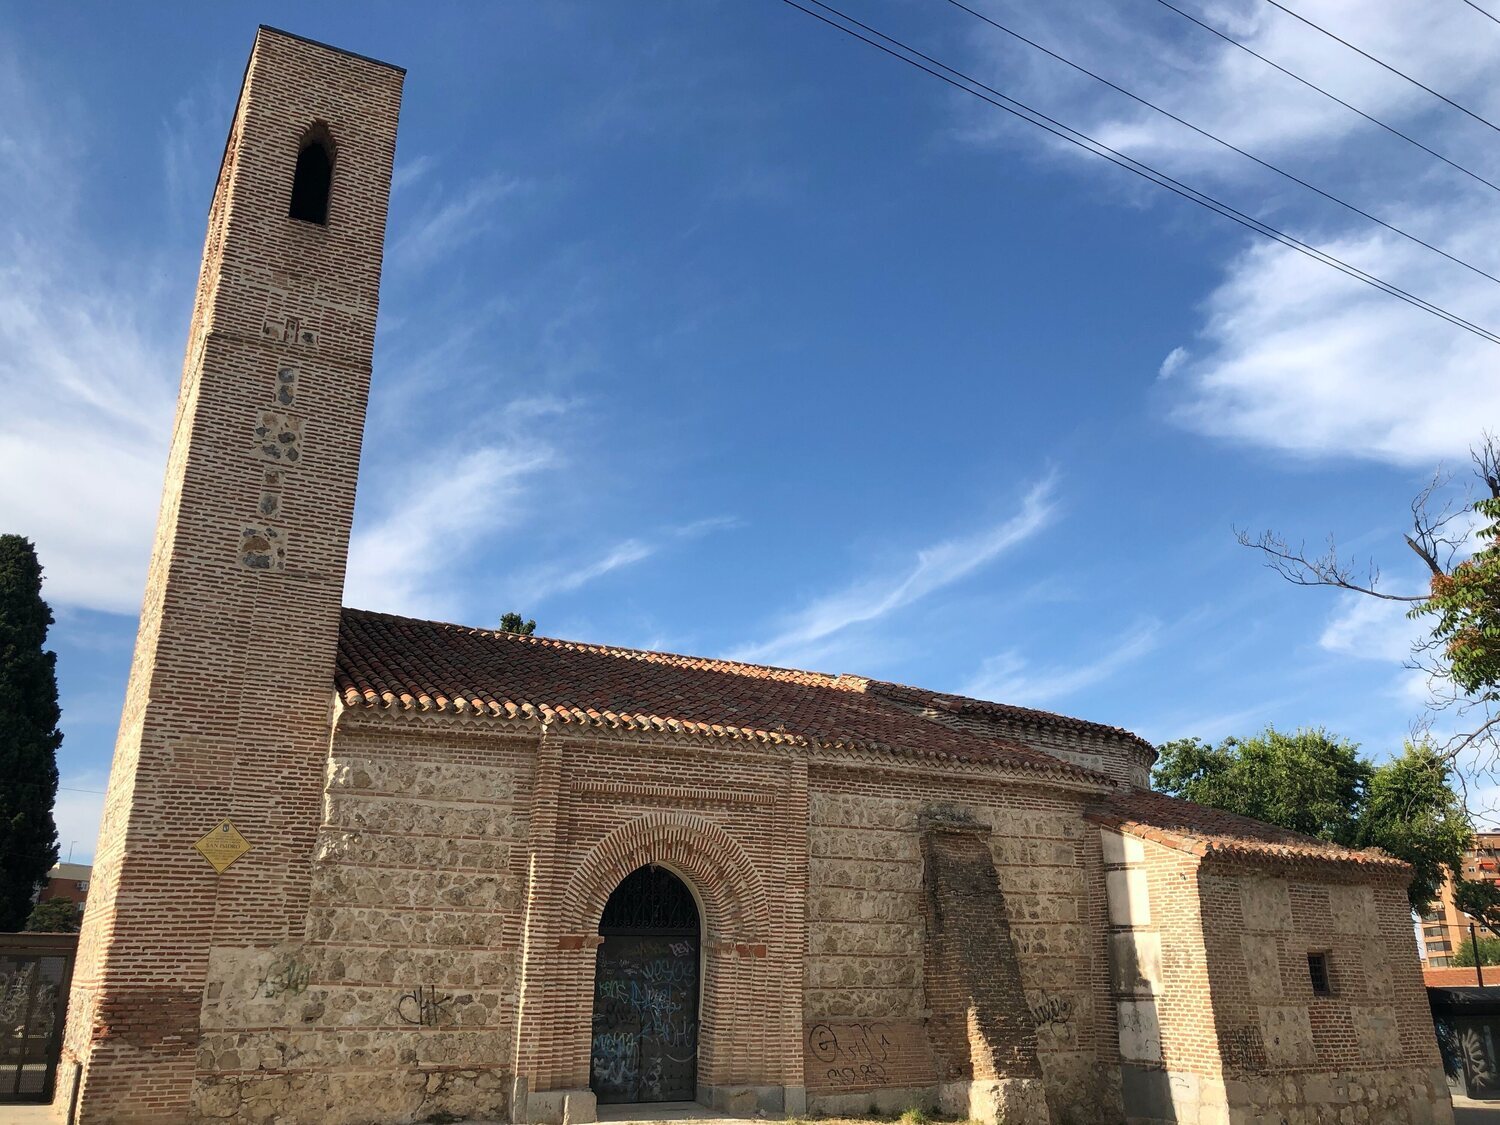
(705, 328)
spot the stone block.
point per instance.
(1266, 904)
(1376, 1031)
(1262, 952)
(1135, 963)
(1352, 909)
(1140, 1031)
(1120, 849)
(1129, 898)
(1286, 1035)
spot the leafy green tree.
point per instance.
(1314, 782)
(29, 737)
(512, 623)
(1309, 781)
(1489, 952)
(1465, 603)
(1413, 813)
(55, 916)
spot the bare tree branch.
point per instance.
(1327, 569)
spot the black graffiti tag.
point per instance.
(423, 1005)
(1051, 1010)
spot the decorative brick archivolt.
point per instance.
(713, 862)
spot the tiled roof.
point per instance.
(1212, 832)
(963, 704)
(1450, 977)
(405, 664)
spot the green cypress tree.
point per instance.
(29, 737)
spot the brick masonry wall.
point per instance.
(1218, 1020)
(226, 713)
(1123, 759)
(1369, 1046)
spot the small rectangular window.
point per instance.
(1317, 971)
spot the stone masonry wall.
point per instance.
(398, 999)
(865, 1006)
(1364, 1052)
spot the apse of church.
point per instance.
(358, 868)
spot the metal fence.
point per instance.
(35, 970)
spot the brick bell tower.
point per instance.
(226, 721)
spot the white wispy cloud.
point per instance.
(1370, 629)
(1291, 355)
(89, 367)
(1008, 677)
(566, 576)
(403, 561)
(450, 219)
(872, 598)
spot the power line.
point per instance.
(1221, 141)
(1485, 12)
(1382, 63)
(1145, 171)
(1332, 97)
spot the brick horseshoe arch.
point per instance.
(731, 889)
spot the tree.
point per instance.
(512, 623)
(1413, 813)
(1314, 782)
(29, 737)
(1489, 952)
(1458, 542)
(1309, 781)
(55, 916)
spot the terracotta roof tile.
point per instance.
(386, 661)
(1448, 976)
(1212, 832)
(962, 704)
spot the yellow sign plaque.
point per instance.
(223, 846)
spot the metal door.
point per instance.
(645, 1045)
(33, 1005)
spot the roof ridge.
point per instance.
(841, 682)
(957, 702)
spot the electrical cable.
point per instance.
(1382, 63)
(1145, 171)
(1485, 12)
(1221, 141)
(1233, 42)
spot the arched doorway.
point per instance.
(645, 1046)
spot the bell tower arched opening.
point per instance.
(646, 984)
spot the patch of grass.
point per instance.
(915, 1115)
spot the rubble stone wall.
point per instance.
(866, 1003)
(398, 1000)
(1366, 1049)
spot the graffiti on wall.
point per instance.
(289, 976)
(1050, 1010)
(424, 1006)
(851, 1054)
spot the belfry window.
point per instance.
(313, 179)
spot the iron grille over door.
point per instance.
(645, 1046)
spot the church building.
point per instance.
(358, 869)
